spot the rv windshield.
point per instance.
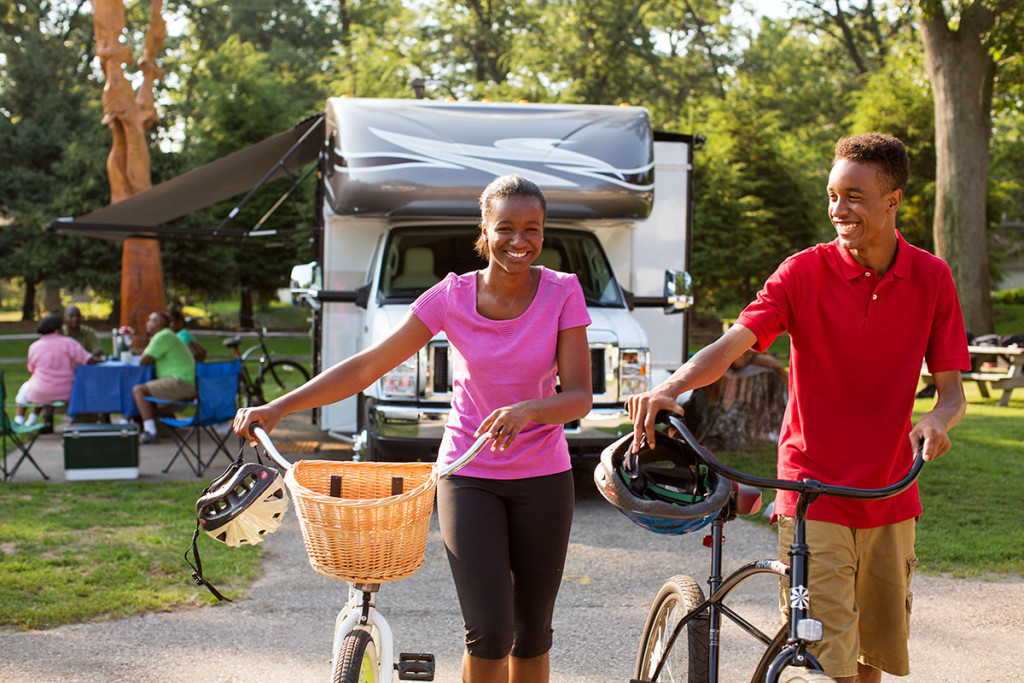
(417, 258)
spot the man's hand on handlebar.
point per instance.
(266, 416)
(931, 432)
(643, 410)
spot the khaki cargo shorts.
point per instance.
(171, 389)
(860, 591)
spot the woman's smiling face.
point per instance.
(514, 227)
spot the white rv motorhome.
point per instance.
(401, 179)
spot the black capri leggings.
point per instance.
(506, 542)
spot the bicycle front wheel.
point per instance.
(687, 661)
(279, 377)
(356, 662)
(805, 676)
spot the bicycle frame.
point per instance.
(800, 630)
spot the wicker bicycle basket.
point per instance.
(367, 534)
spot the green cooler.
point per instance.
(101, 451)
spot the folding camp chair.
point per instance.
(21, 436)
(215, 402)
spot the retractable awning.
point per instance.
(148, 214)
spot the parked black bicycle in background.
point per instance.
(273, 378)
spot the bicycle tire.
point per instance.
(676, 598)
(806, 676)
(278, 377)
(778, 642)
(356, 661)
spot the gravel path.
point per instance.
(963, 630)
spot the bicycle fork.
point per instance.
(359, 612)
(802, 629)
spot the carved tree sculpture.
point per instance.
(130, 115)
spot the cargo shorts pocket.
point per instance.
(911, 566)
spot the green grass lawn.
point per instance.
(87, 550)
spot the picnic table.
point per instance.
(107, 387)
(999, 368)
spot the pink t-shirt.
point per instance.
(496, 363)
(52, 360)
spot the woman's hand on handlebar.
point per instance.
(643, 411)
(504, 425)
(266, 416)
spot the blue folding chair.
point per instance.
(215, 402)
(21, 436)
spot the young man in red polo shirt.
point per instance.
(862, 312)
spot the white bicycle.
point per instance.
(365, 523)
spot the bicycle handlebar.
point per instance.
(260, 434)
(804, 486)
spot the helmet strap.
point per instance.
(197, 568)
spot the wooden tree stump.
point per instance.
(744, 408)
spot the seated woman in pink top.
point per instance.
(52, 360)
(513, 327)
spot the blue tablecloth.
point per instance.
(107, 388)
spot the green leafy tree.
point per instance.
(751, 209)
(235, 93)
(49, 165)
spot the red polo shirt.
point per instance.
(856, 346)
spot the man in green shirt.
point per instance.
(175, 372)
(83, 334)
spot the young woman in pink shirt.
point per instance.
(513, 328)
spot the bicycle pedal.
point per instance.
(415, 666)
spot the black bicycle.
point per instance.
(680, 603)
(273, 378)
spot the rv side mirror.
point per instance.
(306, 276)
(305, 285)
(678, 291)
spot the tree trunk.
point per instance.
(962, 73)
(51, 300)
(245, 309)
(28, 304)
(741, 410)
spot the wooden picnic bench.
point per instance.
(1000, 367)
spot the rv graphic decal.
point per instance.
(563, 167)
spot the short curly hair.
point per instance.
(884, 152)
(503, 187)
(50, 324)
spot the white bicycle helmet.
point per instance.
(664, 488)
(243, 505)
